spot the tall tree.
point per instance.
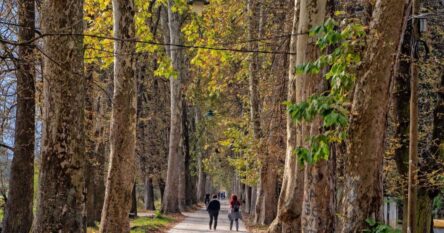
(201, 176)
(175, 157)
(61, 199)
(274, 119)
(317, 207)
(290, 198)
(413, 129)
(149, 194)
(123, 123)
(254, 8)
(18, 211)
(363, 162)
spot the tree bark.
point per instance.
(94, 182)
(413, 129)
(123, 123)
(18, 210)
(190, 188)
(363, 162)
(248, 196)
(61, 198)
(254, 28)
(133, 211)
(171, 200)
(318, 205)
(161, 184)
(149, 194)
(290, 198)
(424, 213)
(201, 176)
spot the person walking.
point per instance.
(213, 209)
(234, 214)
(207, 199)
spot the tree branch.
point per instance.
(7, 147)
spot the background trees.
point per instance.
(199, 102)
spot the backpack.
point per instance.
(236, 207)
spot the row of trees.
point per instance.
(144, 91)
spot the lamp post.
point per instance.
(198, 6)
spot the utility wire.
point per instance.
(180, 46)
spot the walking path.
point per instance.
(198, 221)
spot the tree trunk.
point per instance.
(123, 124)
(290, 198)
(161, 184)
(424, 211)
(190, 190)
(317, 208)
(149, 194)
(269, 200)
(95, 149)
(363, 162)
(61, 197)
(413, 129)
(247, 204)
(202, 177)
(18, 210)
(254, 25)
(186, 182)
(201, 181)
(275, 144)
(171, 201)
(133, 210)
(99, 172)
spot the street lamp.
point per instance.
(198, 6)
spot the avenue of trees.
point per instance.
(311, 111)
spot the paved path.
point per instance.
(198, 221)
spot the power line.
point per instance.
(180, 46)
(288, 35)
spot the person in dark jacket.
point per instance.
(207, 199)
(213, 209)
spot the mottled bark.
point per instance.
(275, 141)
(18, 211)
(290, 198)
(123, 124)
(94, 182)
(365, 150)
(61, 191)
(317, 209)
(171, 200)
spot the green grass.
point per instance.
(143, 224)
(147, 224)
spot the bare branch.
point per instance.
(7, 147)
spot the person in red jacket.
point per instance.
(234, 214)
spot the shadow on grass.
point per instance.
(145, 224)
